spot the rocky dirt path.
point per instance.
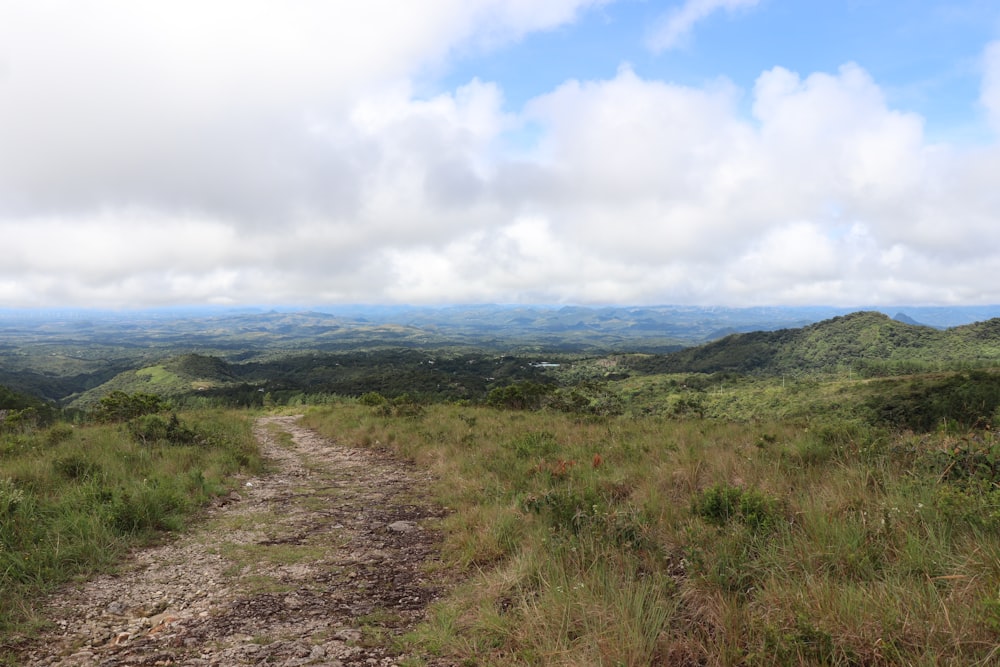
(320, 562)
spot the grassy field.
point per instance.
(644, 539)
(73, 499)
(661, 519)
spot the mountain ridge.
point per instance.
(61, 359)
(866, 342)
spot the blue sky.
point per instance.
(925, 54)
(730, 152)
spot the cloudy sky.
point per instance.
(707, 152)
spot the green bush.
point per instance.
(20, 421)
(372, 399)
(722, 503)
(151, 429)
(520, 396)
(57, 434)
(23, 411)
(76, 466)
(119, 406)
(157, 507)
(11, 497)
(403, 405)
(963, 401)
(567, 509)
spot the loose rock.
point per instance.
(278, 574)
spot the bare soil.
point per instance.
(322, 561)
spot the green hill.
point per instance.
(868, 343)
(176, 376)
(863, 344)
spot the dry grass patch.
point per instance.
(647, 540)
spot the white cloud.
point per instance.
(796, 204)
(835, 134)
(676, 26)
(259, 154)
(796, 253)
(209, 105)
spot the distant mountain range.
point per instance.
(560, 326)
(863, 343)
(59, 354)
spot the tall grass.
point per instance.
(642, 540)
(73, 499)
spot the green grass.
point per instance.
(703, 541)
(158, 375)
(74, 499)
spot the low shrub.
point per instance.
(72, 500)
(960, 402)
(152, 429)
(534, 445)
(520, 396)
(119, 406)
(372, 399)
(722, 503)
(11, 497)
(76, 466)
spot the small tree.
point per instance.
(18, 421)
(520, 396)
(119, 406)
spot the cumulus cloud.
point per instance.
(676, 26)
(214, 106)
(825, 195)
(680, 169)
(253, 152)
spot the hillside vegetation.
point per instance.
(866, 343)
(60, 355)
(652, 540)
(862, 345)
(75, 499)
(827, 495)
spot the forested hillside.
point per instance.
(863, 345)
(867, 343)
(452, 353)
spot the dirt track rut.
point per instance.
(320, 562)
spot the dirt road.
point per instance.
(320, 562)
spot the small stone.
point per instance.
(347, 635)
(402, 527)
(160, 623)
(117, 608)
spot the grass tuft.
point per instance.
(74, 499)
(698, 541)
